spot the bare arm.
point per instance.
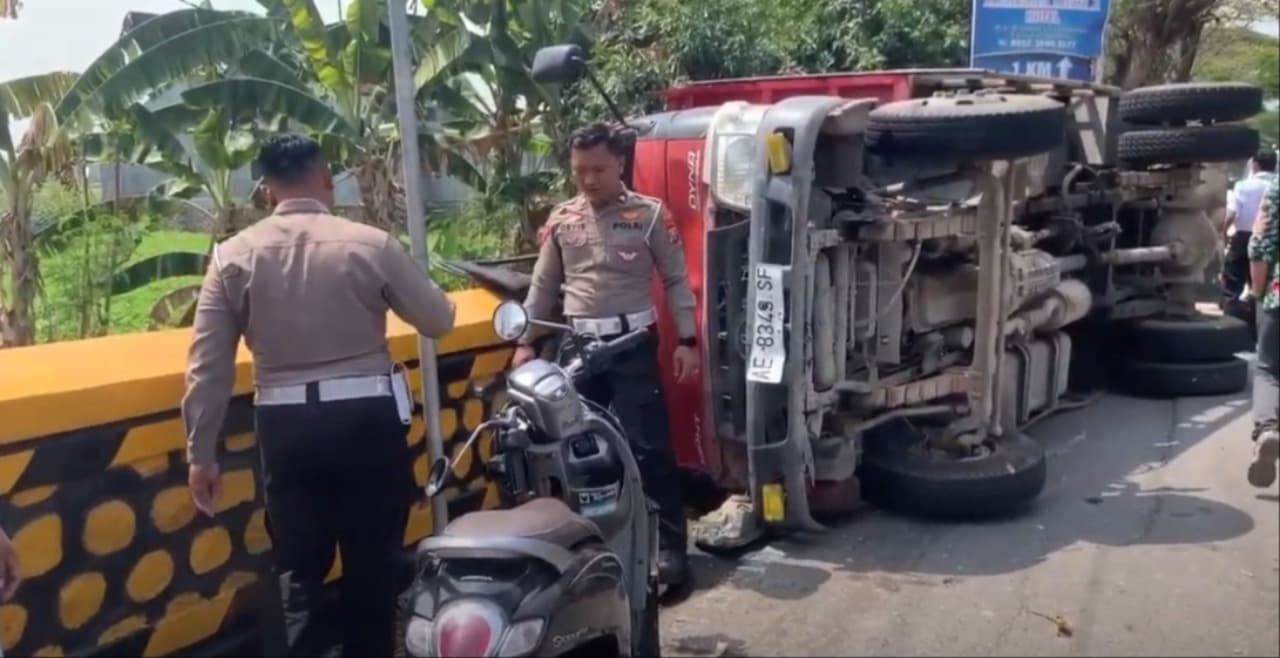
(668, 254)
(413, 295)
(211, 368)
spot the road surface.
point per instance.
(1146, 541)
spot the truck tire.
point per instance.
(897, 474)
(1154, 379)
(1177, 104)
(1139, 149)
(1186, 339)
(977, 127)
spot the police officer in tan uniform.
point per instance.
(602, 246)
(309, 292)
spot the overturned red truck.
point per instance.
(897, 272)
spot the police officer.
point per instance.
(310, 293)
(602, 246)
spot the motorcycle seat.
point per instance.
(543, 519)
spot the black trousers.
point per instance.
(338, 476)
(1235, 265)
(633, 386)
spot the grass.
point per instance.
(59, 307)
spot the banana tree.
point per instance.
(219, 148)
(43, 152)
(345, 67)
(500, 122)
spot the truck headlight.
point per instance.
(731, 153)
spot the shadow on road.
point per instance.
(1103, 461)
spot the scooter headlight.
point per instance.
(731, 153)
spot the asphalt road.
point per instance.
(1146, 541)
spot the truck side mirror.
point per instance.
(560, 64)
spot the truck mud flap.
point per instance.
(726, 266)
(778, 442)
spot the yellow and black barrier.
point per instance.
(115, 558)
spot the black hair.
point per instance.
(287, 158)
(596, 134)
(1266, 159)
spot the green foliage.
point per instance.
(472, 231)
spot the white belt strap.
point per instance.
(330, 390)
(614, 325)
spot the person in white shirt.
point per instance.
(1243, 202)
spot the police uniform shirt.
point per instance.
(605, 259)
(310, 293)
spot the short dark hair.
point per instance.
(1266, 159)
(596, 134)
(287, 158)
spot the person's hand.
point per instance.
(523, 355)
(685, 363)
(206, 486)
(10, 569)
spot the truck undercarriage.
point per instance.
(898, 273)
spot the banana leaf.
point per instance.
(132, 44)
(155, 268)
(267, 100)
(178, 57)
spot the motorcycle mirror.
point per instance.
(510, 320)
(560, 64)
(435, 479)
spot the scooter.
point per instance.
(572, 568)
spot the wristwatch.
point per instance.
(689, 342)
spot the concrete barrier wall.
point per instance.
(115, 557)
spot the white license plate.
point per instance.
(768, 346)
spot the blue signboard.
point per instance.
(1044, 38)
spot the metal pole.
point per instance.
(402, 64)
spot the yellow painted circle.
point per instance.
(473, 413)
(150, 576)
(210, 550)
(109, 527)
(80, 599)
(51, 651)
(172, 509)
(420, 470)
(122, 629)
(256, 538)
(39, 545)
(13, 623)
(464, 458)
(448, 423)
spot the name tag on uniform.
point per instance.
(400, 390)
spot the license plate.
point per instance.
(768, 347)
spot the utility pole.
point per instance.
(402, 65)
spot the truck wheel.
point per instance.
(978, 127)
(1155, 379)
(1186, 339)
(1139, 149)
(898, 474)
(1180, 103)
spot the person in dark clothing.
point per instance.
(309, 292)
